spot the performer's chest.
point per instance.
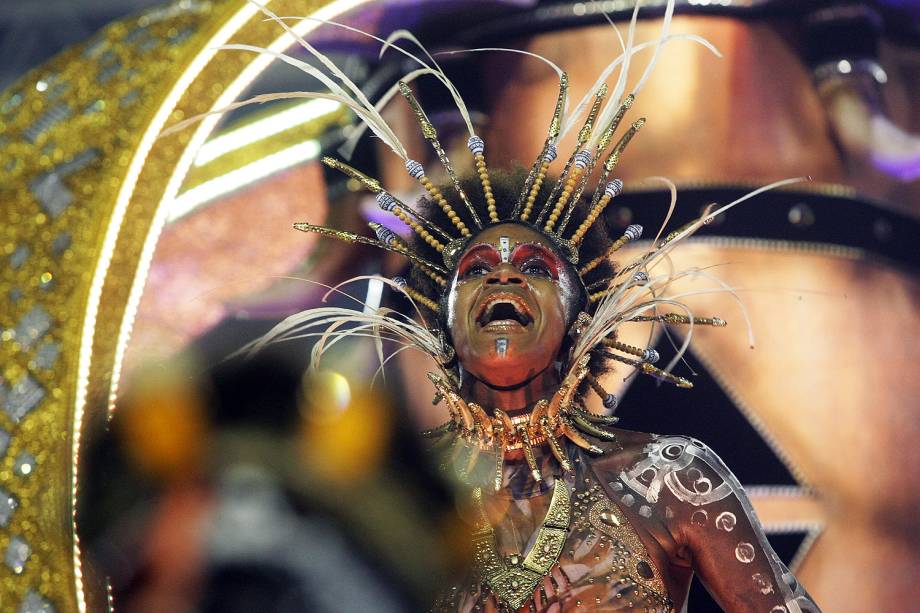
(540, 554)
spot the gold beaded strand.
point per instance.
(547, 154)
(632, 233)
(538, 182)
(416, 295)
(612, 190)
(678, 319)
(647, 355)
(647, 369)
(417, 171)
(477, 148)
(388, 237)
(563, 197)
(424, 234)
(580, 158)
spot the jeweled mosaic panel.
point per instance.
(70, 133)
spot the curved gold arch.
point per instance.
(86, 186)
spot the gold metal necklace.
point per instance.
(513, 579)
(548, 422)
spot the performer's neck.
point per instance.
(513, 400)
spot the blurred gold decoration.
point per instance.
(345, 432)
(163, 424)
(86, 187)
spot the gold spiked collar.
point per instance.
(547, 423)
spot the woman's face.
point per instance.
(509, 306)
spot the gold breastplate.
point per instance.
(585, 554)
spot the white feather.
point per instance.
(356, 131)
(259, 99)
(371, 118)
(547, 61)
(672, 188)
(623, 58)
(325, 61)
(621, 305)
(665, 28)
(335, 324)
(620, 86)
(543, 59)
(388, 44)
(455, 94)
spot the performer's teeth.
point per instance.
(501, 346)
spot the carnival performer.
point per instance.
(518, 303)
(572, 512)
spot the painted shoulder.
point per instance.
(684, 481)
(674, 474)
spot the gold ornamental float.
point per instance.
(84, 183)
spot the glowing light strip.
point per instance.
(374, 294)
(241, 177)
(263, 128)
(121, 204)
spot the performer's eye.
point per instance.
(536, 268)
(476, 270)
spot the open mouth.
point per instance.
(504, 310)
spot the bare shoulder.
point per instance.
(682, 482)
(680, 471)
(628, 448)
(641, 452)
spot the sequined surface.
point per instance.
(82, 179)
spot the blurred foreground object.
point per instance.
(279, 503)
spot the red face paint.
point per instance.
(482, 256)
(494, 344)
(532, 259)
(535, 260)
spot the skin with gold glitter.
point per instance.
(639, 519)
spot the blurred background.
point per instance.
(220, 485)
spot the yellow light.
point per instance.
(241, 177)
(343, 442)
(328, 393)
(263, 128)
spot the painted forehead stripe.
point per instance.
(504, 248)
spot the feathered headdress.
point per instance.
(560, 210)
